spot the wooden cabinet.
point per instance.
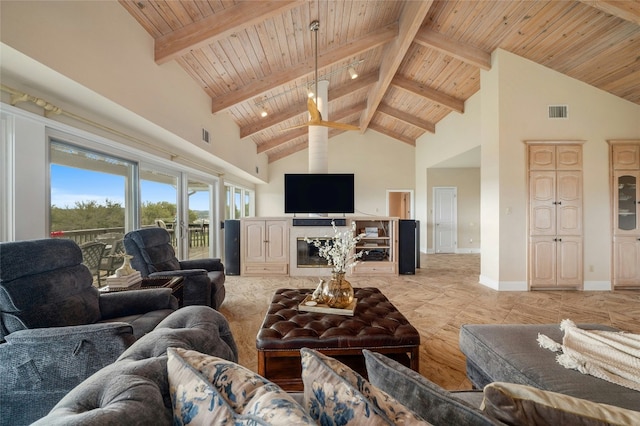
(625, 156)
(625, 202)
(626, 261)
(555, 203)
(555, 261)
(555, 157)
(265, 247)
(380, 246)
(555, 216)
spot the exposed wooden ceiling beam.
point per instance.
(413, 14)
(296, 133)
(303, 145)
(282, 139)
(334, 94)
(218, 26)
(353, 85)
(287, 152)
(391, 134)
(464, 52)
(258, 87)
(426, 92)
(628, 10)
(407, 118)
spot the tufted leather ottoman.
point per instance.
(376, 325)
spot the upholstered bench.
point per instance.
(510, 353)
(376, 325)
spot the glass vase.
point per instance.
(337, 292)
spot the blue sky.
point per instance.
(69, 185)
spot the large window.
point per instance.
(91, 193)
(159, 201)
(95, 194)
(239, 202)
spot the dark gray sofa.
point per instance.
(134, 390)
(510, 353)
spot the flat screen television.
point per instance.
(319, 193)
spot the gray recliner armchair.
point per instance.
(154, 256)
(57, 329)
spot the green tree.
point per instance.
(91, 215)
(87, 215)
(162, 210)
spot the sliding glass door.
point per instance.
(94, 193)
(91, 193)
(201, 226)
(159, 201)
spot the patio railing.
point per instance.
(198, 236)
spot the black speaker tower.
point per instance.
(232, 247)
(408, 251)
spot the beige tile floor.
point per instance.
(442, 295)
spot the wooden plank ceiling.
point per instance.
(417, 61)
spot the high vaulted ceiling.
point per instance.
(417, 61)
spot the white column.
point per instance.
(319, 135)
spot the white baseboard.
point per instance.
(458, 251)
(597, 286)
(503, 285)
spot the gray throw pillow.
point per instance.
(428, 400)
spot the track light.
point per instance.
(353, 73)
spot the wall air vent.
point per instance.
(205, 136)
(558, 111)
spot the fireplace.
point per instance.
(308, 255)
(304, 260)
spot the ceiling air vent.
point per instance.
(558, 111)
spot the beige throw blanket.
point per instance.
(608, 355)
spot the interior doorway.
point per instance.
(400, 203)
(445, 219)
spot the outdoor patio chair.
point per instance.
(111, 259)
(92, 253)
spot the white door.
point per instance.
(445, 219)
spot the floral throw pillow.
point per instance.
(207, 390)
(336, 395)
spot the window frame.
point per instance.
(133, 202)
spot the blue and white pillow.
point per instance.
(207, 390)
(335, 395)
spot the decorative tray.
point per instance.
(325, 309)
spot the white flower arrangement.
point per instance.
(339, 250)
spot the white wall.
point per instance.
(510, 108)
(378, 162)
(467, 182)
(526, 89)
(30, 200)
(95, 60)
(455, 134)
